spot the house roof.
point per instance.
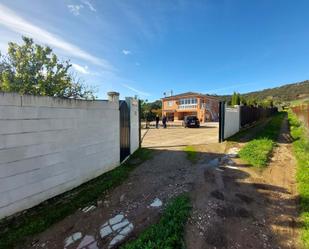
(189, 94)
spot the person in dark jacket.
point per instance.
(157, 121)
(164, 121)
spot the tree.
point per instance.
(34, 69)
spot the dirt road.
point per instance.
(234, 206)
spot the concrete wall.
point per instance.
(134, 124)
(51, 145)
(231, 121)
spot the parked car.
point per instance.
(191, 121)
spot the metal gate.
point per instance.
(221, 120)
(124, 130)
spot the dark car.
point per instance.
(191, 121)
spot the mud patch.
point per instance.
(230, 211)
(217, 194)
(215, 236)
(244, 198)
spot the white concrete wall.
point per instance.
(134, 124)
(51, 145)
(231, 121)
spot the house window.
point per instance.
(170, 103)
(188, 103)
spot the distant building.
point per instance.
(204, 106)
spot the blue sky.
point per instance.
(149, 47)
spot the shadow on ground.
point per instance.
(232, 206)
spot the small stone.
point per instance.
(105, 231)
(156, 203)
(122, 197)
(125, 231)
(88, 209)
(120, 225)
(230, 167)
(99, 203)
(116, 240)
(116, 219)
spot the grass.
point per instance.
(257, 152)
(168, 233)
(191, 153)
(301, 152)
(15, 230)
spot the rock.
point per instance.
(71, 239)
(120, 225)
(122, 197)
(106, 203)
(99, 203)
(230, 167)
(105, 231)
(116, 219)
(156, 203)
(233, 152)
(88, 209)
(116, 240)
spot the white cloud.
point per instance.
(135, 90)
(80, 69)
(126, 52)
(74, 9)
(16, 23)
(90, 6)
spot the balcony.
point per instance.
(187, 106)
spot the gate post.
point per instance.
(140, 122)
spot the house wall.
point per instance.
(51, 145)
(231, 121)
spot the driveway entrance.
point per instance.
(179, 136)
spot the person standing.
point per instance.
(157, 121)
(164, 121)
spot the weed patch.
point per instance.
(169, 232)
(16, 230)
(191, 153)
(301, 152)
(257, 152)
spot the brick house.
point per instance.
(204, 106)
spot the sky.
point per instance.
(149, 47)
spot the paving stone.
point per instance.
(71, 239)
(116, 219)
(116, 240)
(87, 240)
(120, 225)
(93, 246)
(156, 203)
(105, 231)
(125, 231)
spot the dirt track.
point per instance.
(234, 206)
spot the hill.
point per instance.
(287, 92)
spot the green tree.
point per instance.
(34, 69)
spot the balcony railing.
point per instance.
(187, 106)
